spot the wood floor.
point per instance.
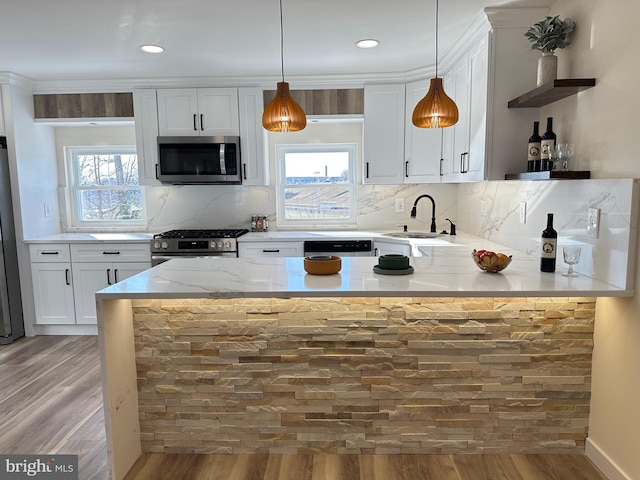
(51, 402)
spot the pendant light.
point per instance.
(283, 114)
(436, 109)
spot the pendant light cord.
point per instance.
(436, 37)
(281, 43)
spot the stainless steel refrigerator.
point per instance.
(11, 319)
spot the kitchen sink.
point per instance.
(414, 235)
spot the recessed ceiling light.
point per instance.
(367, 43)
(151, 48)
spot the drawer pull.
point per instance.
(111, 253)
(264, 250)
(49, 253)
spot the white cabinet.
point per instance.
(385, 248)
(423, 146)
(52, 284)
(145, 111)
(93, 276)
(270, 249)
(96, 266)
(201, 111)
(252, 136)
(3, 130)
(383, 132)
(465, 142)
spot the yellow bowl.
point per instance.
(322, 265)
(489, 261)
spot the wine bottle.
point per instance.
(548, 142)
(549, 244)
(533, 154)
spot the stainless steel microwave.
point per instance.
(199, 160)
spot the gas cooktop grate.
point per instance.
(203, 233)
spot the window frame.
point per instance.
(74, 189)
(281, 150)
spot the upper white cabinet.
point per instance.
(422, 146)
(201, 111)
(383, 148)
(252, 143)
(145, 111)
(465, 142)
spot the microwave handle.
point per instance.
(157, 177)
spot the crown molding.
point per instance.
(514, 17)
(15, 79)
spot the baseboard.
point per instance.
(65, 329)
(603, 462)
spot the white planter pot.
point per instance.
(547, 68)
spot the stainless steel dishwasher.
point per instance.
(340, 248)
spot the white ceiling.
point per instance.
(55, 40)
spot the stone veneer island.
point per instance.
(226, 355)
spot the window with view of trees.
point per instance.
(104, 185)
(316, 184)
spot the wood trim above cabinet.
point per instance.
(83, 105)
(347, 101)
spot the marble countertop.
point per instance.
(93, 237)
(445, 271)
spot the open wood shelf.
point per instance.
(551, 92)
(549, 175)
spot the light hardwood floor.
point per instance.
(51, 402)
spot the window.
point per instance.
(103, 186)
(316, 184)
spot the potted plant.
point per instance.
(548, 35)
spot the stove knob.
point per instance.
(227, 245)
(220, 245)
(156, 244)
(165, 245)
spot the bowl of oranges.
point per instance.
(489, 261)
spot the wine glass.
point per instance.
(571, 257)
(565, 153)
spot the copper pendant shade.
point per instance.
(436, 109)
(283, 114)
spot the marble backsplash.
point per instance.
(229, 206)
(491, 210)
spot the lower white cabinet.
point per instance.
(90, 277)
(270, 249)
(66, 277)
(52, 284)
(385, 248)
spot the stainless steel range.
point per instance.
(195, 243)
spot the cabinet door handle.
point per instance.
(195, 125)
(463, 169)
(367, 170)
(115, 275)
(406, 169)
(108, 276)
(441, 161)
(244, 170)
(375, 252)
(111, 253)
(201, 121)
(66, 277)
(264, 250)
(49, 253)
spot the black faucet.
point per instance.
(433, 211)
